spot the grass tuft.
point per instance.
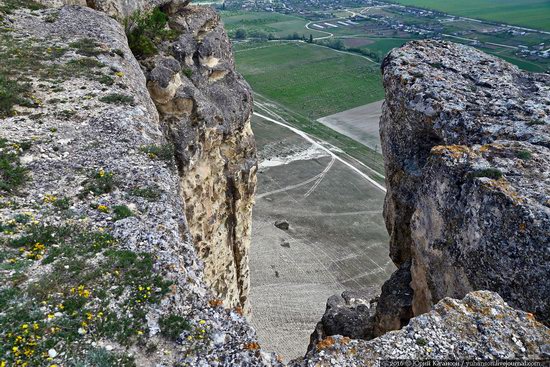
(12, 174)
(171, 326)
(492, 173)
(122, 212)
(116, 98)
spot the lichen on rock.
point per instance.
(466, 143)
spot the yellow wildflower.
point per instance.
(49, 198)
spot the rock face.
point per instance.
(205, 109)
(99, 219)
(118, 9)
(466, 141)
(482, 326)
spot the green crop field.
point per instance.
(313, 80)
(527, 13)
(279, 25)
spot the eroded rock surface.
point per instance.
(466, 141)
(205, 109)
(97, 255)
(481, 326)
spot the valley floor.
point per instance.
(337, 240)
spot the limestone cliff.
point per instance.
(205, 109)
(102, 220)
(466, 141)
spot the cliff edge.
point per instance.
(107, 195)
(466, 141)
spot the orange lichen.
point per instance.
(252, 346)
(454, 151)
(487, 147)
(503, 186)
(215, 302)
(325, 343)
(345, 340)
(239, 310)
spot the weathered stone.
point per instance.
(394, 306)
(205, 109)
(481, 326)
(466, 143)
(282, 224)
(349, 314)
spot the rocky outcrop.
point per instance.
(466, 143)
(205, 109)
(118, 9)
(482, 326)
(97, 246)
(350, 314)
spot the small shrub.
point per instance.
(106, 79)
(122, 212)
(144, 30)
(84, 63)
(172, 326)
(116, 98)
(164, 152)
(100, 183)
(524, 154)
(187, 72)
(492, 173)
(535, 122)
(87, 47)
(421, 342)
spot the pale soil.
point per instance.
(360, 124)
(337, 240)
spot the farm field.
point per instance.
(311, 79)
(526, 13)
(276, 24)
(380, 46)
(337, 239)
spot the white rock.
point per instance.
(52, 353)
